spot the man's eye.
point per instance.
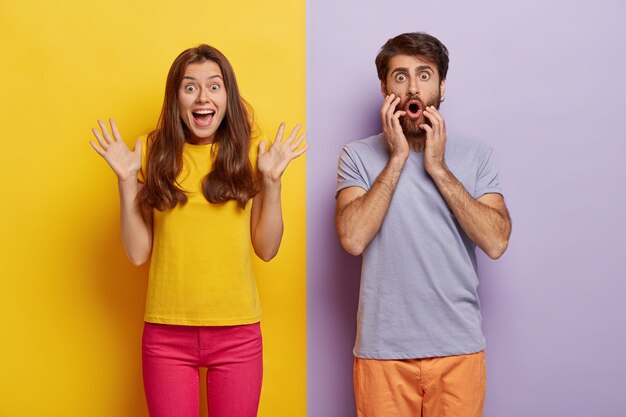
(424, 76)
(400, 77)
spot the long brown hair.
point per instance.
(232, 176)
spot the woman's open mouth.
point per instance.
(413, 109)
(203, 118)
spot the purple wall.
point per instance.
(544, 84)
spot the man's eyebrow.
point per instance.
(420, 68)
(400, 69)
(424, 67)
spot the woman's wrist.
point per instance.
(129, 177)
(127, 182)
(268, 182)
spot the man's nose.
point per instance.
(413, 88)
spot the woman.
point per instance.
(184, 195)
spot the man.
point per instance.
(416, 204)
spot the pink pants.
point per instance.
(233, 356)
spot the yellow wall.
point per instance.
(71, 305)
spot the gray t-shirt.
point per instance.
(419, 281)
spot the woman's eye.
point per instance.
(424, 76)
(190, 88)
(215, 87)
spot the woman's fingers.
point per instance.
(101, 141)
(105, 131)
(97, 148)
(294, 145)
(285, 149)
(116, 132)
(299, 152)
(279, 134)
(138, 146)
(293, 133)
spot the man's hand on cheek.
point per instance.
(392, 130)
(435, 146)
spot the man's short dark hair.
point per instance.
(412, 44)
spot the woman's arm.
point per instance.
(135, 222)
(266, 220)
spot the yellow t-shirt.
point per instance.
(201, 270)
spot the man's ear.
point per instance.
(383, 89)
(442, 87)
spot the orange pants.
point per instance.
(449, 386)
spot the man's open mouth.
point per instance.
(413, 109)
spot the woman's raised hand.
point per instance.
(273, 162)
(124, 163)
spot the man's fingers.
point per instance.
(433, 115)
(386, 104)
(397, 115)
(437, 121)
(388, 110)
(427, 128)
(395, 123)
(392, 107)
(383, 109)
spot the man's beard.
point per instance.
(410, 126)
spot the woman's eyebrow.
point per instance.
(189, 77)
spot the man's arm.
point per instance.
(485, 220)
(359, 213)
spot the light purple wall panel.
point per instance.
(543, 83)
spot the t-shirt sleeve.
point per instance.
(487, 175)
(141, 175)
(350, 172)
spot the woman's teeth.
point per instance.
(203, 118)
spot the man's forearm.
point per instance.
(359, 221)
(487, 226)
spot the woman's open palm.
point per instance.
(124, 162)
(273, 162)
